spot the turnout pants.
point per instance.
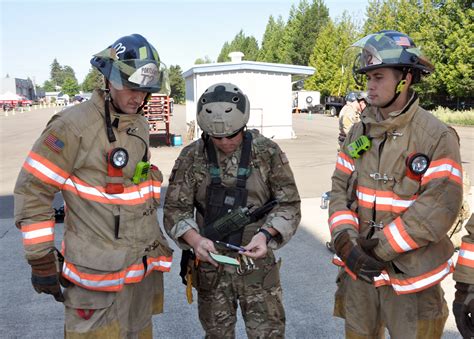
(258, 293)
(123, 314)
(367, 310)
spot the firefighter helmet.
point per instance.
(222, 110)
(361, 96)
(131, 62)
(391, 49)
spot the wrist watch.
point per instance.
(267, 234)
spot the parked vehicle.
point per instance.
(26, 102)
(62, 99)
(306, 101)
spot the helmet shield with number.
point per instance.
(222, 110)
(132, 62)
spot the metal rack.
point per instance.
(158, 113)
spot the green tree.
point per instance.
(312, 20)
(205, 60)
(444, 31)
(272, 40)
(225, 50)
(70, 86)
(59, 74)
(48, 86)
(177, 84)
(68, 72)
(380, 14)
(287, 49)
(56, 74)
(240, 43)
(301, 31)
(93, 80)
(448, 44)
(332, 59)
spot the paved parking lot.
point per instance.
(307, 274)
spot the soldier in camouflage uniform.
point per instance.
(210, 177)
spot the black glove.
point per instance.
(356, 260)
(45, 276)
(463, 309)
(368, 246)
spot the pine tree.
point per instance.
(272, 40)
(93, 80)
(332, 58)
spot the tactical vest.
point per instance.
(219, 198)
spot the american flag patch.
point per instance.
(402, 41)
(54, 143)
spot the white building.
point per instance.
(267, 85)
(21, 87)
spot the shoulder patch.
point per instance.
(283, 158)
(53, 143)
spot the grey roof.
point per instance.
(249, 66)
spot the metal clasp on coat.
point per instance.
(247, 265)
(378, 176)
(373, 224)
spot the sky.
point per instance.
(33, 33)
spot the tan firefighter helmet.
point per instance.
(222, 110)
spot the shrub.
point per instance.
(465, 118)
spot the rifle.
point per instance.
(236, 219)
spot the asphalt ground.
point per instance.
(307, 275)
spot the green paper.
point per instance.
(223, 259)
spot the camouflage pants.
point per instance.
(258, 293)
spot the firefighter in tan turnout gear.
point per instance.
(463, 305)
(113, 253)
(396, 191)
(243, 177)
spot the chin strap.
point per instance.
(108, 122)
(398, 89)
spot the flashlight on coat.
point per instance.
(116, 160)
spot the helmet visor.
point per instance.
(141, 75)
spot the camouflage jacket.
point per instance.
(107, 237)
(270, 178)
(411, 216)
